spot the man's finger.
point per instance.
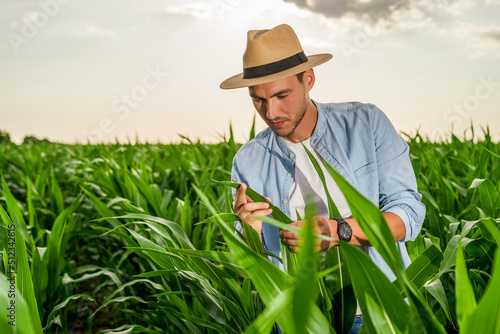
(292, 242)
(289, 235)
(251, 207)
(241, 198)
(262, 213)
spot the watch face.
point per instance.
(345, 231)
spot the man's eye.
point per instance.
(282, 96)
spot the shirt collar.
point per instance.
(319, 130)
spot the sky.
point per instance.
(149, 70)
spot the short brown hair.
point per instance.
(300, 76)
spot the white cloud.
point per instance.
(200, 10)
(479, 40)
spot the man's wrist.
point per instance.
(344, 230)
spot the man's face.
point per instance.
(282, 104)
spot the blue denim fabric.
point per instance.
(361, 144)
(358, 322)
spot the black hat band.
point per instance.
(275, 67)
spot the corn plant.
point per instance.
(138, 238)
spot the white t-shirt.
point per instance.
(307, 183)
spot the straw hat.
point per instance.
(270, 55)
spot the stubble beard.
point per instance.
(299, 118)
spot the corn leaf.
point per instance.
(466, 301)
(383, 307)
(423, 268)
(16, 316)
(486, 318)
(20, 267)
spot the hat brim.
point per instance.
(237, 81)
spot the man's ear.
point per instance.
(309, 79)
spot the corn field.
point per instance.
(123, 238)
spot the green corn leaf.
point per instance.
(384, 309)
(252, 130)
(306, 286)
(20, 266)
(33, 221)
(491, 230)
(225, 258)
(102, 208)
(266, 320)
(436, 289)
(15, 213)
(466, 301)
(449, 255)
(63, 304)
(423, 268)
(227, 217)
(488, 195)
(269, 280)
(130, 329)
(339, 297)
(16, 316)
(253, 238)
(146, 192)
(421, 316)
(486, 317)
(56, 194)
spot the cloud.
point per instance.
(480, 40)
(366, 10)
(471, 23)
(200, 10)
(491, 34)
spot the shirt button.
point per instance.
(292, 155)
(285, 202)
(289, 174)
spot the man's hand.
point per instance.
(244, 206)
(322, 225)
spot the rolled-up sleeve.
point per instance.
(397, 183)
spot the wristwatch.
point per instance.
(343, 230)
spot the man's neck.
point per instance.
(306, 127)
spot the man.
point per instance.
(356, 139)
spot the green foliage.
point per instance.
(4, 137)
(139, 239)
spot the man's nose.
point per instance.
(272, 110)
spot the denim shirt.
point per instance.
(360, 143)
